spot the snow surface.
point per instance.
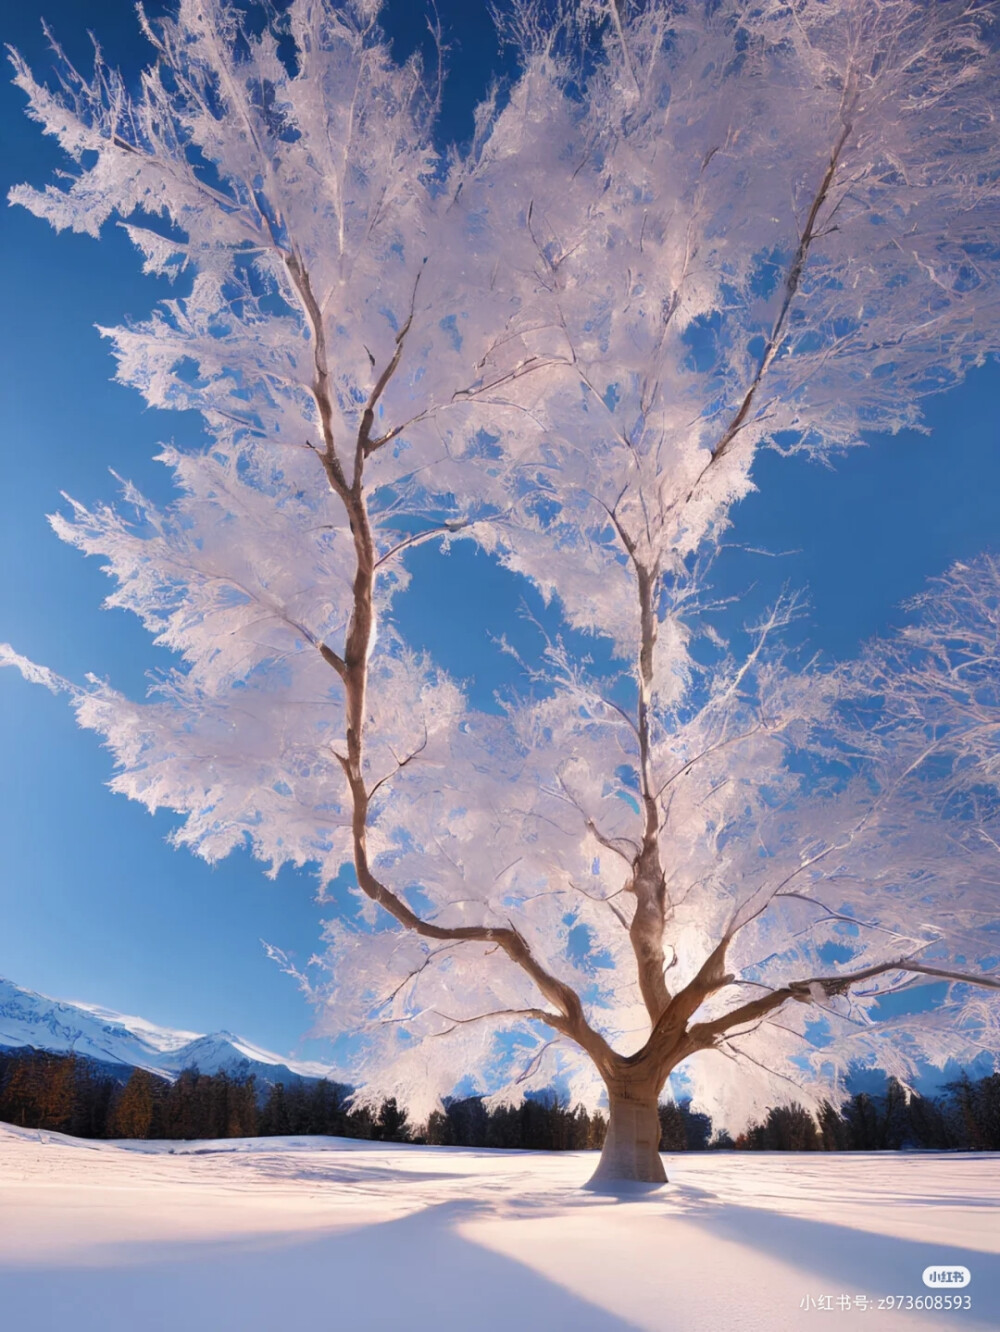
(30, 1019)
(325, 1232)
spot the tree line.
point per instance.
(68, 1094)
(964, 1117)
(73, 1095)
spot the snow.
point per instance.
(265, 1233)
(63, 1027)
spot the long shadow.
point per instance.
(413, 1273)
(849, 1261)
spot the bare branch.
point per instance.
(443, 529)
(539, 1014)
(804, 991)
(792, 283)
(366, 445)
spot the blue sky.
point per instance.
(93, 904)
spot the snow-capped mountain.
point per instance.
(29, 1019)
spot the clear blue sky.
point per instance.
(93, 904)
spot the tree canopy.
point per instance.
(682, 234)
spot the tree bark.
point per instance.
(631, 1152)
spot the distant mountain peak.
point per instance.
(34, 1020)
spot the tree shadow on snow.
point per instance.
(849, 1261)
(414, 1274)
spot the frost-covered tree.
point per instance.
(685, 232)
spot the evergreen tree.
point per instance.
(929, 1126)
(833, 1129)
(504, 1128)
(92, 1097)
(392, 1124)
(132, 1111)
(790, 1128)
(439, 1132)
(274, 1120)
(895, 1108)
(787, 1128)
(298, 1109)
(697, 1126)
(468, 1119)
(672, 1135)
(597, 1132)
(865, 1129)
(327, 1109)
(361, 1123)
(39, 1091)
(19, 1105)
(182, 1111)
(975, 1108)
(242, 1109)
(582, 1130)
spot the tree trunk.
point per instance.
(631, 1153)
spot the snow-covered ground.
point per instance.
(323, 1233)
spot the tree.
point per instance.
(392, 1125)
(327, 1109)
(976, 1106)
(672, 1135)
(686, 233)
(38, 1090)
(132, 1113)
(697, 1127)
(788, 1128)
(833, 1134)
(274, 1120)
(865, 1123)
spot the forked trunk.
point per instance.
(631, 1152)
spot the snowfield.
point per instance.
(329, 1233)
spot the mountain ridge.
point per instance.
(32, 1020)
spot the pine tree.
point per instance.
(833, 1129)
(597, 1132)
(975, 1110)
(697, 1126)
(896, 1130)
(243, 1110)
(274, 1115)
(790, 1128)
(504, 1128)
(19, 1102)
(438, 1132)
(132, 1113)
(392, 1124)
(929, 1125)
(672, 1135)
(181, 1117)
(39, 1091)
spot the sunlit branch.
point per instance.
(539, 1014)
(792, 283)
(803, 991)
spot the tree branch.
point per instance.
(712, 749)
(539, 1014)
(804, 991)
(400, 765)
(354, 673)
(792, 284)
(366, 445)
(443, 529)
